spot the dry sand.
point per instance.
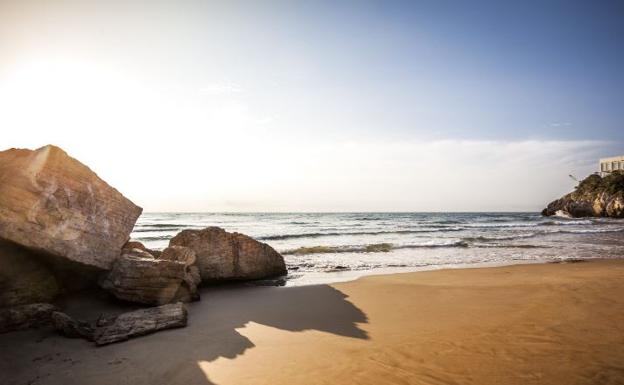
(526, 324)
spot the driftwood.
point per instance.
(140, 322)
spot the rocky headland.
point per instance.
(595, 196)
(63, 230)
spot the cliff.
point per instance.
(595, 196)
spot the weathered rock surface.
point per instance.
(179, 253)
(230, 256)
(595, 196)
(141, 322)
(53, 203)
(137, 276)
(138, 245)
(192, 279)
(71, 328)
(26, 316)
(24, 278)
(134, 245)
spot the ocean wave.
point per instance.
(586, 231)
(160, 225)
(388, 247)
(499, 225)
(569, 222)
(153, 238)
(335, 233)
(482, 238)
(375, 247)
(562, 214)
(152, 230)
(442, 223)
(370, 248)
(509, 246)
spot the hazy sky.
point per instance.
(319, 106)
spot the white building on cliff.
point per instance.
(608, 165)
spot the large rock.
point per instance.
(140, 322)
(51, 202)
(182, 254)
(24, 278)
(230, 256)
(193, 278)
(71, 328)
(26, 316)
(137, 276)
(595, 196)
(138, 245)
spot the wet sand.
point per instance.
(525, 324)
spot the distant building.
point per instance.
(607, 165)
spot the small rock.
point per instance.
(71, 328)
(138, 277)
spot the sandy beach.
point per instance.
(525, 324)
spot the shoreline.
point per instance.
(331, 277)
(535, 323)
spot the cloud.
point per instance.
(220, 89)
(179, 152)
(446, 175)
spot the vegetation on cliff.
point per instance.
(595, 196)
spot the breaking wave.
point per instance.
(370, 248)
(331, 234)
(388, 247)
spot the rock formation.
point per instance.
(140, 322)
(53, 203)
(71, 328)
(137, 276)
(24, 278)
(62, 228)
(230, 256)
(26, 316)
(180, 254)
(193, 278)
(595, 196)
(138, 245)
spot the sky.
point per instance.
(319, 106)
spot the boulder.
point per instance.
(26, 316)
(134, 245)
(136, 276)
(179, 253)
(24, 278)
(71, 328)
(194, 275)
(595, 196)
(230, 256)
(51, 202)
(138, 245)
(140, 322)
(192, 278)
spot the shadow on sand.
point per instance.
(172, 356)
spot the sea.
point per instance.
(332, 247)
